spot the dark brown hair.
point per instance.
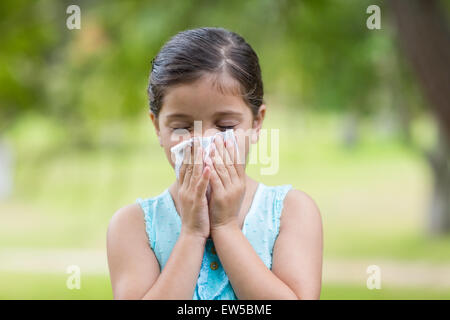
(191, 54)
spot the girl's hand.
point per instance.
(192, 184)
(227, 184)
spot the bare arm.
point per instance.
(297, 257)
(134, 269)
(249, 276)
(298, 250)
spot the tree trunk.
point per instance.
(439, 219)
(350, 132)
(424, 35)
(6, 170)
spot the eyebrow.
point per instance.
(219, 113)
(178, 115)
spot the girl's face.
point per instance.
(216, 110)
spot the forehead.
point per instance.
(207, 95)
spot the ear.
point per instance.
(155, 122)
(257, 123)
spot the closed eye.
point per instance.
(226, 127)
(222, 128)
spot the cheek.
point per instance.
(168, 140)
(170, 137)
(244, 141)
(169, 156)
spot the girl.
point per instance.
(247, 240)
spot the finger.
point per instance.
(229, 164)
(241, 141)
(216, 183)
(202, 184)
(183, 165)
(230, 159)
(189, 167)
(240, 169)
(238, 166)
(219, 145)
(231, 148)
(198, 162)
(219, 165)
(240, 160)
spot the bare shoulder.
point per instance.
(127, 221)
(299, 208)
(299, 245)
(133, 266)
(127, 216)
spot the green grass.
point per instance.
(354, 292)
(30, 286)
(49, 286)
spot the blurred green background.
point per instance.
(357, 134)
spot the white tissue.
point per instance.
(178, 150)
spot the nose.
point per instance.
(209, 131)
(205, 132)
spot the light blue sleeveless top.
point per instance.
(261, 226)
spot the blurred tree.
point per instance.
(86, 78)
(28, 42)
(337, 58)
(423, 31)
